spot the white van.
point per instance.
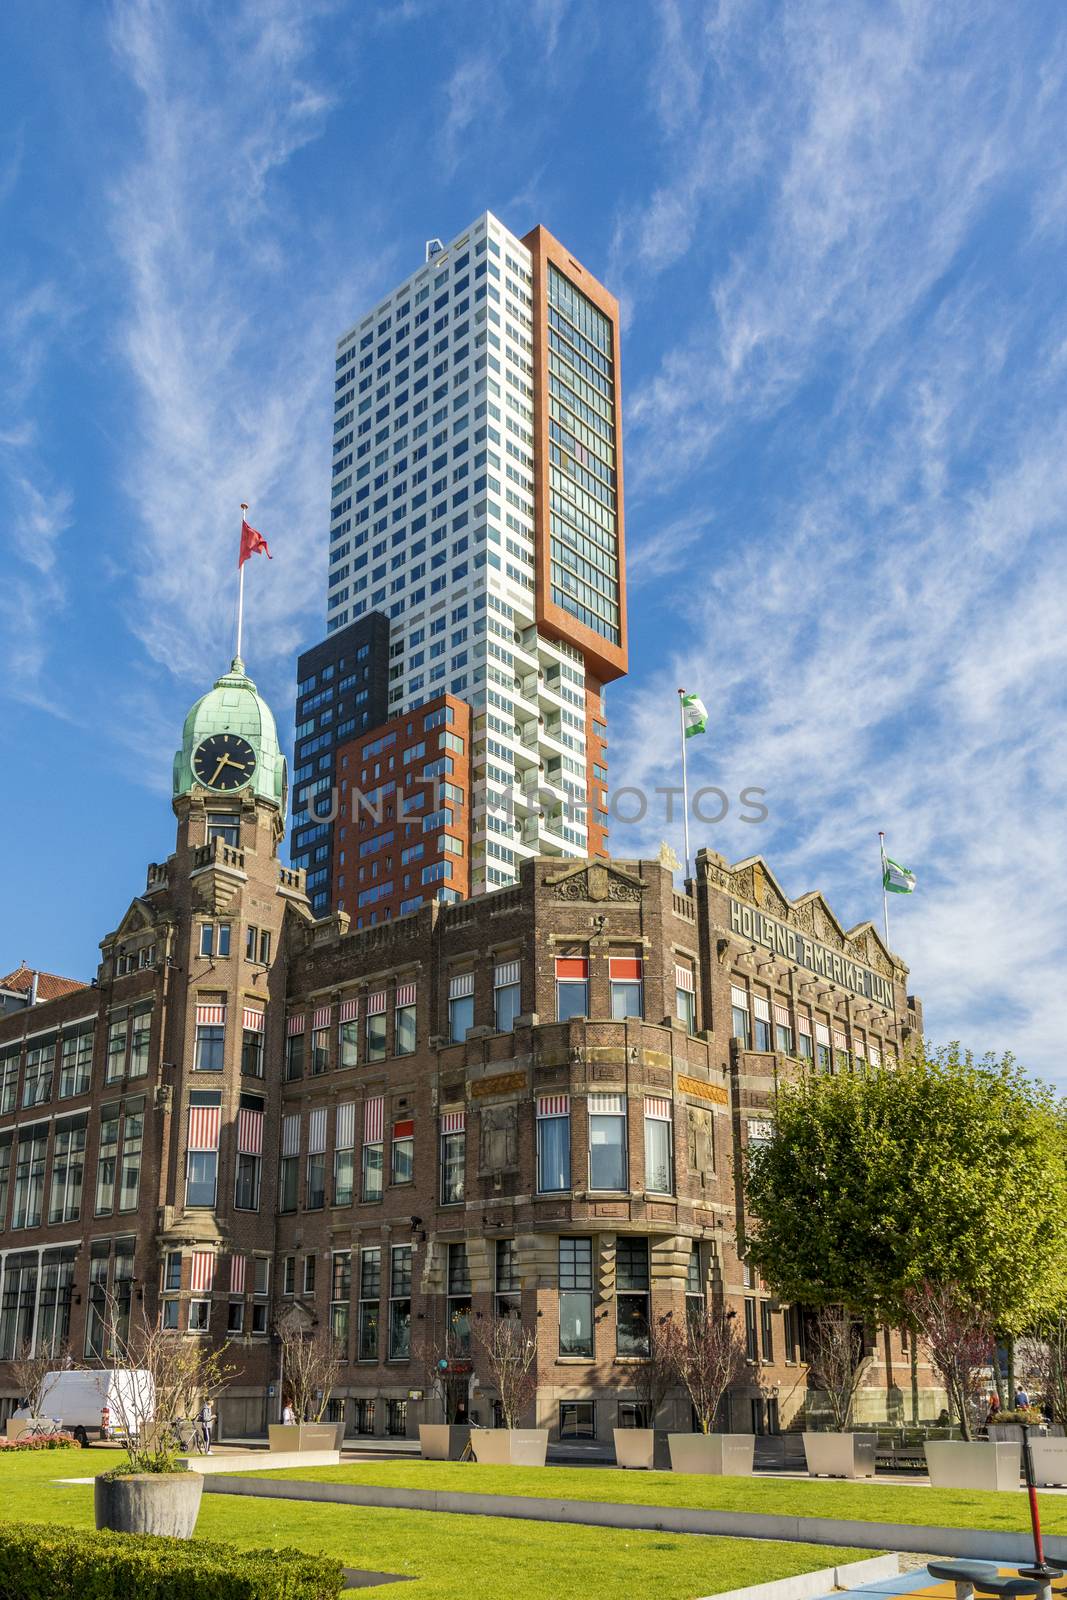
(99, 1403)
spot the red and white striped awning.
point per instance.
(738, 997)
(349, 1011)
(453, 1121)
(211, 1016)
(683, 978)
(203, 1273)
(376, 1004)
(204, 1123)
(875, 1056)
(554, 1105)
(252, 1020)
(373, 1119)
(237, 1274)
(322, 1017)
(291, 1136)
(840, 1042)
(506, 973)
(296, 1024)
(822, 1033)
(606, 1105)
(658, 1108)
(761, 1008)
(345, 1131)
(405, 994)
(461, 986)
(781, 1016)
(624, 969)
(804, 1025)
(317, 1131)
(249, 1133)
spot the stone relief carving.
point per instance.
(499, 1147)
(700, 1140)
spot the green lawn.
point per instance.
(816, 1497)
(452, 1557)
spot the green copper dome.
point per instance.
(228, 733)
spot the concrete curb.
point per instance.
(813, 1585)
(916, 1540)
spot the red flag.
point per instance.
(252, 542)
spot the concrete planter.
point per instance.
(726, 1454)
(290, 1436)
(443, 1441)
(840, 1455)
(15, 1427)
(957, 1464)
(635, 1447)
(510, 1447)
(166, 1503)
(1050, 1460)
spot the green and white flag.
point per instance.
(694, 715)
(897, 879)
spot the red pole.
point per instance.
(1040, 1568)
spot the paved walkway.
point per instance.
(918, 1585)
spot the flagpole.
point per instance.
(885, 895)
(685, 784)
(241, 590)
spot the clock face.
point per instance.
(224, 761)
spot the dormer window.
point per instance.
(224, 825)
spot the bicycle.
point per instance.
(43, 1428)
(189, 1435)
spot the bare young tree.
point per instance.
(170, 1377)
(1042, 1362)
(836, 1361)
(509, 1356)
(709, 1359)
(959, 1337)
(657, 1374)
(30, 1370)
(311, 1365)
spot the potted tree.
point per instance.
(445, 1362)
(29, 1371)
(653, 1378)
(959, 1337)
(837, 1365)
(1047, 1359)
(311, 1362)
(709, 1359)
(170, 1376)
(509, 1356)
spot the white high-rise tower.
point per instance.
(477, 503)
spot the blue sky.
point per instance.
(838, 236)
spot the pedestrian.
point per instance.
(288, 1414)
(207, 1422)
(1022, 1399)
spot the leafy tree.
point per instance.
(942, 1170)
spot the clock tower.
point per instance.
(226, 900)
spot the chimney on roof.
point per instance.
(34, 979)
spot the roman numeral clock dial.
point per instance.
(224, 761)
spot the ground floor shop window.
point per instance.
(631, 1414)
(577, 1419)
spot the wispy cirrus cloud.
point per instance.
(227, 349)
(873, 383)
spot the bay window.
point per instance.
(553, 1143)
(659, 1166)
(607, 1141)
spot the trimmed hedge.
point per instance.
(40, 1562)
